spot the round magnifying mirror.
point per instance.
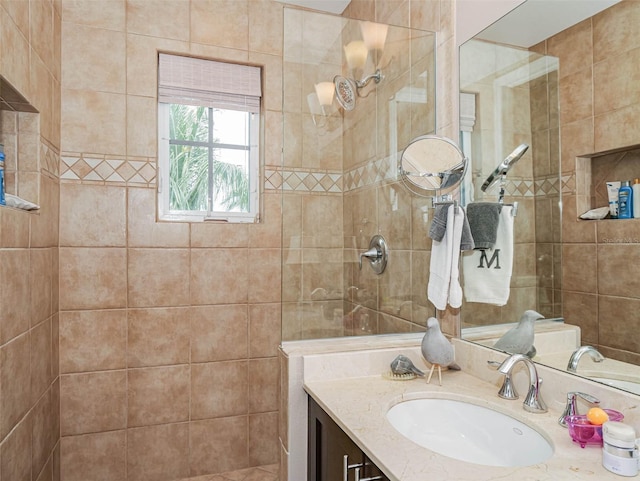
(431, 162)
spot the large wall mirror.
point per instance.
(557, 96)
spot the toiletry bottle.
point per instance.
(612, 191)
(625, 201)
(636, 198)
(619, 452)
(2, 201)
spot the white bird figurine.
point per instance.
(437, 350)
(519, 339)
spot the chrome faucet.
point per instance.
(572, 406)
(533, 402)
(577, 354)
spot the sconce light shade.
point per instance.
(314, 104)
(325, 92)
(356, 53)
(374, 35)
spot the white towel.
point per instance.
(455, 291)
(443, 269)
(487, 273)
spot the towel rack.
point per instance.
(514, 211)
(442, 200)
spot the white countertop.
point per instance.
(358, 404)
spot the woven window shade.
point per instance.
(207, 83)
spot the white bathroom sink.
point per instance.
(469, 433)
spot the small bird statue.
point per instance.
(519, 339)
(403, 365)
(437, 350)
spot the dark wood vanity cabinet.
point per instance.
(328, 445)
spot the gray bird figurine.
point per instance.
(403, 365)
(437, 350)
(519, 339)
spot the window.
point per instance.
(209, 127)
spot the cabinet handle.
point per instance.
(357, 466)
(345, 467)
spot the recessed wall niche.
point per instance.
(595, 170)
(20, 134)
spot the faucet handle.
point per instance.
(572, 408)
(508, 390)
(534, 402)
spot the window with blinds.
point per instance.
(209, 126)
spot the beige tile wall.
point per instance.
(168, 331)
(599, 110)
(30, 395)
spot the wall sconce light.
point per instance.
(320, 103)
(356, 53)
(325, 92)
(374, 36)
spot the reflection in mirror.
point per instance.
(514, 93)
(432, 163)
(588, 287)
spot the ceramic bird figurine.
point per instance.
(437, 350)
(519, 339)
(403, 365)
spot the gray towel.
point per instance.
(483, 222)
(439, 226)
(467, 242)
(439, 222)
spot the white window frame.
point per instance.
(165, 213)
(254, 172)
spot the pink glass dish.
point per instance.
(583, 432)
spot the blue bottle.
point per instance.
(2, 201)
(625, 201)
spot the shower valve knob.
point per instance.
(372, 254)
(377, 254)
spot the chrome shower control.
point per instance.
(377, 254)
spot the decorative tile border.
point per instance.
(569, 183)
(142, 171)
(49, 159)
(381, 170)
(369, 174)
(101, 168)
(303, 181)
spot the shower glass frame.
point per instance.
(340, 183)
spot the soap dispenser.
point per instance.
(625, 201)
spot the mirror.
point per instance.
(432, 163)
(571, 274)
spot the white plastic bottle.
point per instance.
(636, 198)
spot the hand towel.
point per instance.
(467, 243)
(487, 273)
(440, 266)
(439, 222)
(483, 221)
(439, 225)
(455, 291)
